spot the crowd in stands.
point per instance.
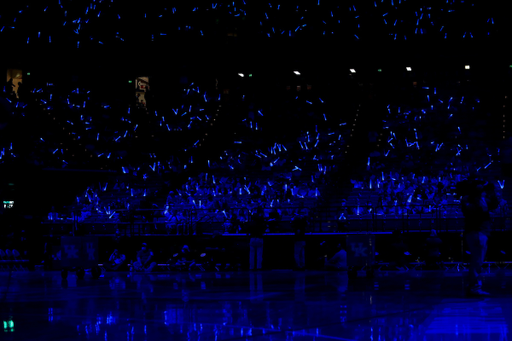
(201, 153)
(397, 195)
(259, 167)
(426, 147)
(113, 23)
(84, 132)
(253, 173)
(230, 157)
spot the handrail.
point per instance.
(318, 217)
(358, 210)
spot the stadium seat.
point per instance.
(17, 260)
(3, 260)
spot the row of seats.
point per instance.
(12, 260)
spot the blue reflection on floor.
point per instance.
(268, 305)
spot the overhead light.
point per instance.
(353, 70)
(241, 74)
(297, 73)
(466, 67)
(408, 68)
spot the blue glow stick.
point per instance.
(502, 184)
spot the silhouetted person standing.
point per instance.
(299, 225)
(256, 229)
(399, 250)
(479, 199)
(338, 262)
(433, 254)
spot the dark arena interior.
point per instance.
(253, 170)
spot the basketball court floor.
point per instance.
(266, 305)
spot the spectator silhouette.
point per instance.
(339, 261)
(115, 261)
(299, 225)
(399, 249)
(433, 256)
(257, 228)
(274, 219)
(479, 199)
(185, 258)
(144, 261)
